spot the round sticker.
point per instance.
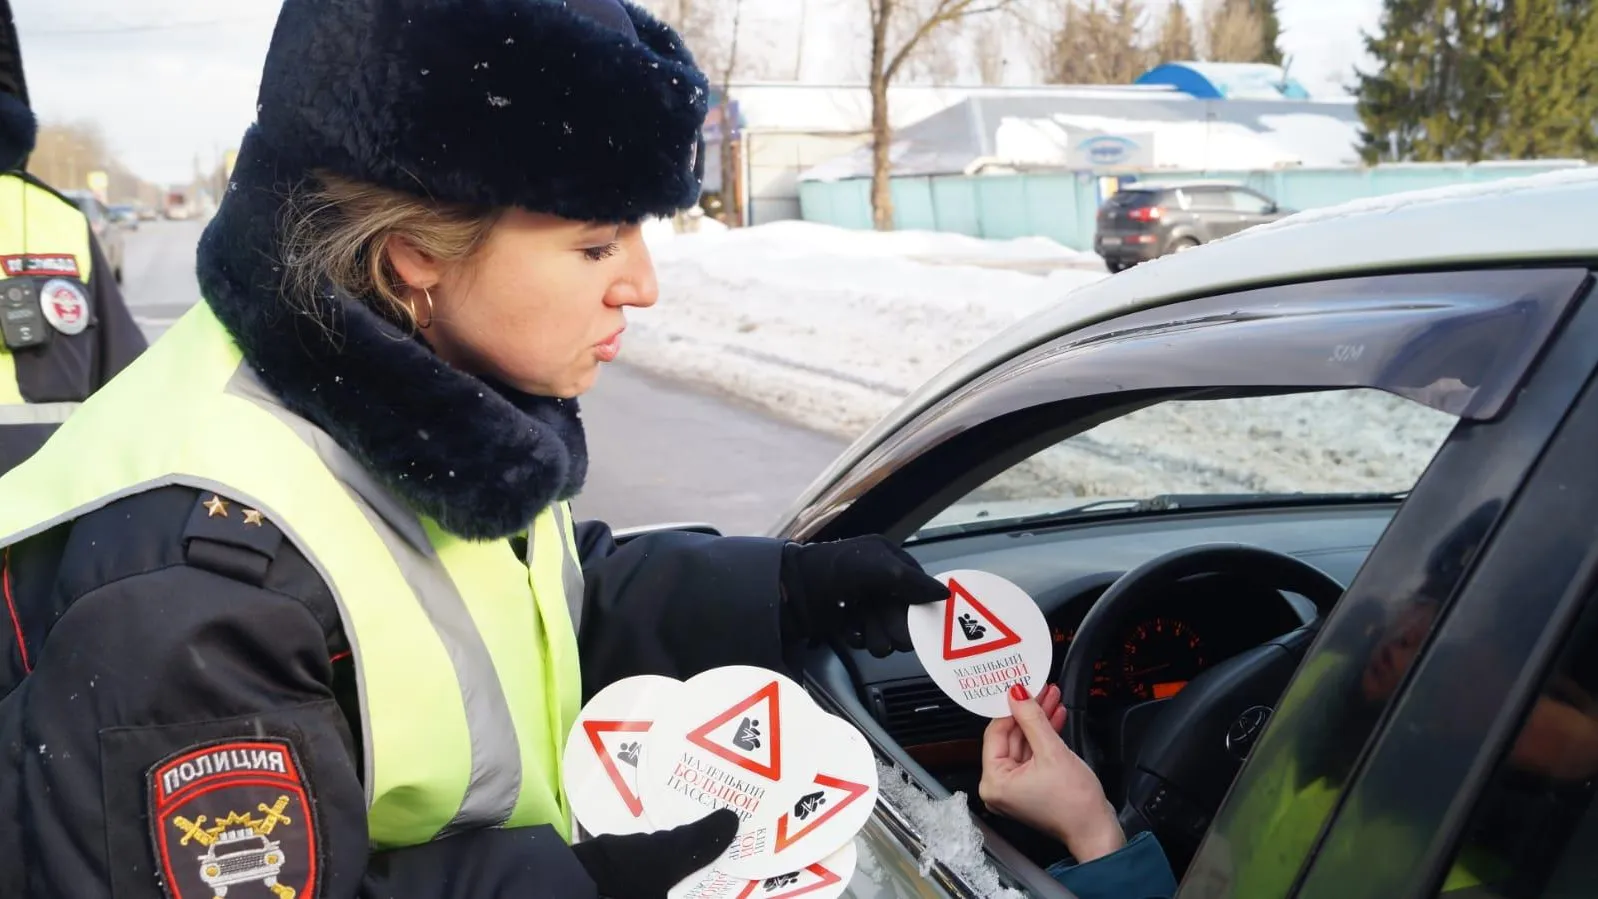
(825, 879)
(604, 750)
(65, 306)
(739, 738)
(827, 814)
(986, 637)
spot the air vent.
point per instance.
(916, 712)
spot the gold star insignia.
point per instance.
(216, 505)
(253, 516)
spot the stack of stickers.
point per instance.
(651, 753)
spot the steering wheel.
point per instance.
(1195, 743)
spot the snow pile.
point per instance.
(833, 328)
(947, 833)
(1346, 441)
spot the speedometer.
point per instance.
(1104, 685)
(1159, 657)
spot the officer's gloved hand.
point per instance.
(646, 865)
(856, 589)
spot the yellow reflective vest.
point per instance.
(41, 236)
(465, 656)
(1280, 818)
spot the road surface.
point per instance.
(659, 452)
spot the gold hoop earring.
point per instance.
(415, 319)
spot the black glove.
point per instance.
(857, 589)
(646, 865)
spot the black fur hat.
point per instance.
(18, 128)
(586, 109)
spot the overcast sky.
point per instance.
(172, 79)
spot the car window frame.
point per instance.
(1210, 198)
(958, 425)
(1532, 453)
(1265, 202)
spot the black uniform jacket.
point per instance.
(140, 632)
(69, 368)
(131, 638)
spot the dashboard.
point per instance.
(1194, 626)
(1065, 568)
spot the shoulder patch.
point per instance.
(234, 817)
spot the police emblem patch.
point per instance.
(65, 306)
(233, 819)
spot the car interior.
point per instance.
(1238, 598)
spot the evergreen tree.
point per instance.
(1175, 40)
(1481, 79)
(1270, 30)
(1408, 104)
(1541, 63)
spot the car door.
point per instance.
(1459, 340)
(1436, 665)
(1251, 208)
(1213, 213)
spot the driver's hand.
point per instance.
(1028, 774)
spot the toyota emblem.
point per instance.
(1245, 730)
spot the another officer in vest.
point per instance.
(66, 329)
(295, 607)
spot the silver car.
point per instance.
(1290, 503)
(241, 856)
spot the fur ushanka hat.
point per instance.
(18, 128)
(586, 109)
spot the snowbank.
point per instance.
(832, 328)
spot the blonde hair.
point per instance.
(338, 231)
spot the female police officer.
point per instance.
(269, 638)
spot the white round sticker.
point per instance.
(604, 750)
(986, 637)
(825, 879)
(65, 306)
(826, 815)
(739, 738)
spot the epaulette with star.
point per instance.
(231, 538)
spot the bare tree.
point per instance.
(66, 152)
(890, 17)
(731, 148)
(713, 31)
(1233, 31)
(989, 50)
(1175, 40)
(1098, 42)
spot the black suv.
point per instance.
(1145, 221)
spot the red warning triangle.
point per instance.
(825, 878)
(854, 791)
(773, 769)
(992, 634)
(594, 729)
